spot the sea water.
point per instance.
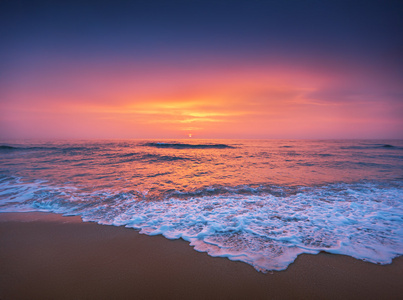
(262, 202)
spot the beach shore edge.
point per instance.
(49, 256)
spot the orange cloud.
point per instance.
(245, 102)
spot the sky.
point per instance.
(305, 69)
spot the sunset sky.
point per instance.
(213, 69)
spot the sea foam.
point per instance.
(266, 230)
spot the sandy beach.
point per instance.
(47, 256)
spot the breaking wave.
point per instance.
(266, 227)
(187, 146)
(373, 146)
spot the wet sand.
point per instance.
(47, 256)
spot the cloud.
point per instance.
(241, 101)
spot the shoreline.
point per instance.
(48, 256)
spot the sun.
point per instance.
(190, 135)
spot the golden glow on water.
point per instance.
(132, 165)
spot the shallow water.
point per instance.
(263, 202)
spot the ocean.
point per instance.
(263, 202)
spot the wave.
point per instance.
(373, 146)
(149, 157)
(6, 147)
(188, 146)
(229, 190)
(33, 148)
(267, 227)
(156, 157)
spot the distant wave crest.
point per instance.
(187, 146)
(7, 148)
(38, 148)
(373, 146)
(150, 157)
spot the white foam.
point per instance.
(363, 220)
